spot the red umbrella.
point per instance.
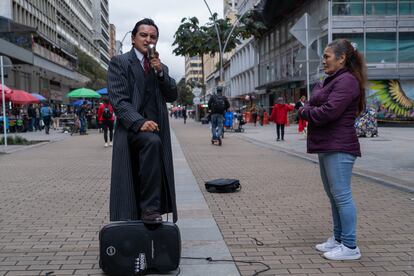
(21, 97)
(6, 89)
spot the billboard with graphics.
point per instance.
(391, 99)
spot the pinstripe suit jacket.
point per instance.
(126, 84)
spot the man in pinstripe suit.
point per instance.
(142, 180)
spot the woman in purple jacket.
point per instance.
(331, 113)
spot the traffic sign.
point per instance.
(196, 100)
(197, 91)
(306, 24)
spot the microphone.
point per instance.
(151, 51)
(150, 54)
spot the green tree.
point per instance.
(251, 24)
(189, 40)
(194, 40)
(185, 96)
(92, 69)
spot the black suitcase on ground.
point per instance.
(223, 185)
(133, 248)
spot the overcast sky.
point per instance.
(167, 14)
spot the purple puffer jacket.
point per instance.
(331, 113)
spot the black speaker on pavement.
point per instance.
(131, 248)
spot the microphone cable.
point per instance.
(211, 260)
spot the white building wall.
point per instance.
(243, 63)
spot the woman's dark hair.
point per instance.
(145, 21)
(355, 63)
(106, 100)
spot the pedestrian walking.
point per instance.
(253, 111)
(218, 104)
(82, 112)
(261, 112)
(106, 120)
(46, 114)
(331, 113)
(139, 87)
(37, 118)
(56, 112)
(279, 117)
(302, 123)
(31, 115)
(184, 114)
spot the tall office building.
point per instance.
(193, 70)
(383, 31)
(112, 40)
(101, 30)
(40, 37)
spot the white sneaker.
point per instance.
(343, 253)
(330, 244)
(110, 143)
(106, 145)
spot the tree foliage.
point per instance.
(92, 69)
(185, 96)
(194, 40)
(251, 25)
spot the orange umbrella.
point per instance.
(21, 97)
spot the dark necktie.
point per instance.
(146, 65)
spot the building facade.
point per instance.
(383, 31)
(211, 63)
(193, 70)
(40, 37)
(112, 40)
(243, 69)
(101, 30)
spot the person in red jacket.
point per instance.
(106, 120)
(279, 117)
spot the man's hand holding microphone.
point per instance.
(155, 63)
(154, 58)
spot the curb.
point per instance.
(387, 183)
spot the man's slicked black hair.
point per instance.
(145, 21)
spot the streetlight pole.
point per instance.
(218, 39)
(3, 101)
(122, 42)
(223, 49)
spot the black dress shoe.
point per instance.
(151, 217)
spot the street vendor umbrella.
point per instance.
(103, 91)
(80, 102)
(6, 89)
(39, 97)
(83, 93)
(21, 97)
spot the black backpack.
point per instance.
(219, 104)
(106, 113)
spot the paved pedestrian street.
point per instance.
(281, 211)
(54, 200)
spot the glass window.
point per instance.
(381, 47)
(406, 7)
(383, 7)
(324, 43)
(272, 41)
(282, 35)
(406, 47)
(356, 39)
(277, 39)
(348, 7)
